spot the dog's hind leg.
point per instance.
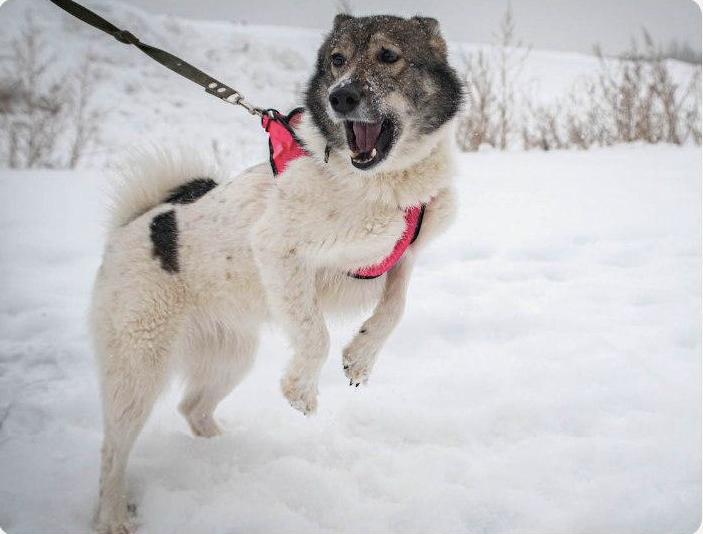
(134, 368)
(214, 365)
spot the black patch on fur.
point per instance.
(191, 191)
(164, 236)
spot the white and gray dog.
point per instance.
(194, 265)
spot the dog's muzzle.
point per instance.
(369, 138)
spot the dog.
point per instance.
(195, 263)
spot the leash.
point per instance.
(284, 144)
(168, 60)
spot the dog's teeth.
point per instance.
(362, 157)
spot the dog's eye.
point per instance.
(387, 56)
(338, 60)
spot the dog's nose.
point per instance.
(345, 99)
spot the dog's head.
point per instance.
(382, 86)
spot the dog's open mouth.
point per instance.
(369, 142)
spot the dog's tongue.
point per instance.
(366, 135)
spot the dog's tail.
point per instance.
(145, 180)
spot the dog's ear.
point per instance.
(341, 17)
(429, 24)
(431, 28)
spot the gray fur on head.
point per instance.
(419, 91)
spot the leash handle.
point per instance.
(168, 60)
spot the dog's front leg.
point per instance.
(290, 288)
(360, 355)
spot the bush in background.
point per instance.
(46, 120)
(632, 98)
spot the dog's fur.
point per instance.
(192, 269)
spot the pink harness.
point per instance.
(284, 147)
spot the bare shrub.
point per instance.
(84, 119)
(46, 118)
(645, 102)
(633, 97)
(623, 91)
(670, 96)
(542, 128)
(29, 114)
(490, 78)
(693, 111)
(584, 117)
(476, 126)
(511, 59)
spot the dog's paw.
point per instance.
(115, 517)
(116, 527)
(201, 424)
(301, 394)
(205, 427)
(358, 360)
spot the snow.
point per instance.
(546, 377)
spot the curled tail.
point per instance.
(152, 177)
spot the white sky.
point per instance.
(552, 24)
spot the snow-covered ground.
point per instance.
(546, 378)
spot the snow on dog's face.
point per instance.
(382, 87)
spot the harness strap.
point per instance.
(168, 60)
(285, 146)
(413, 223)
